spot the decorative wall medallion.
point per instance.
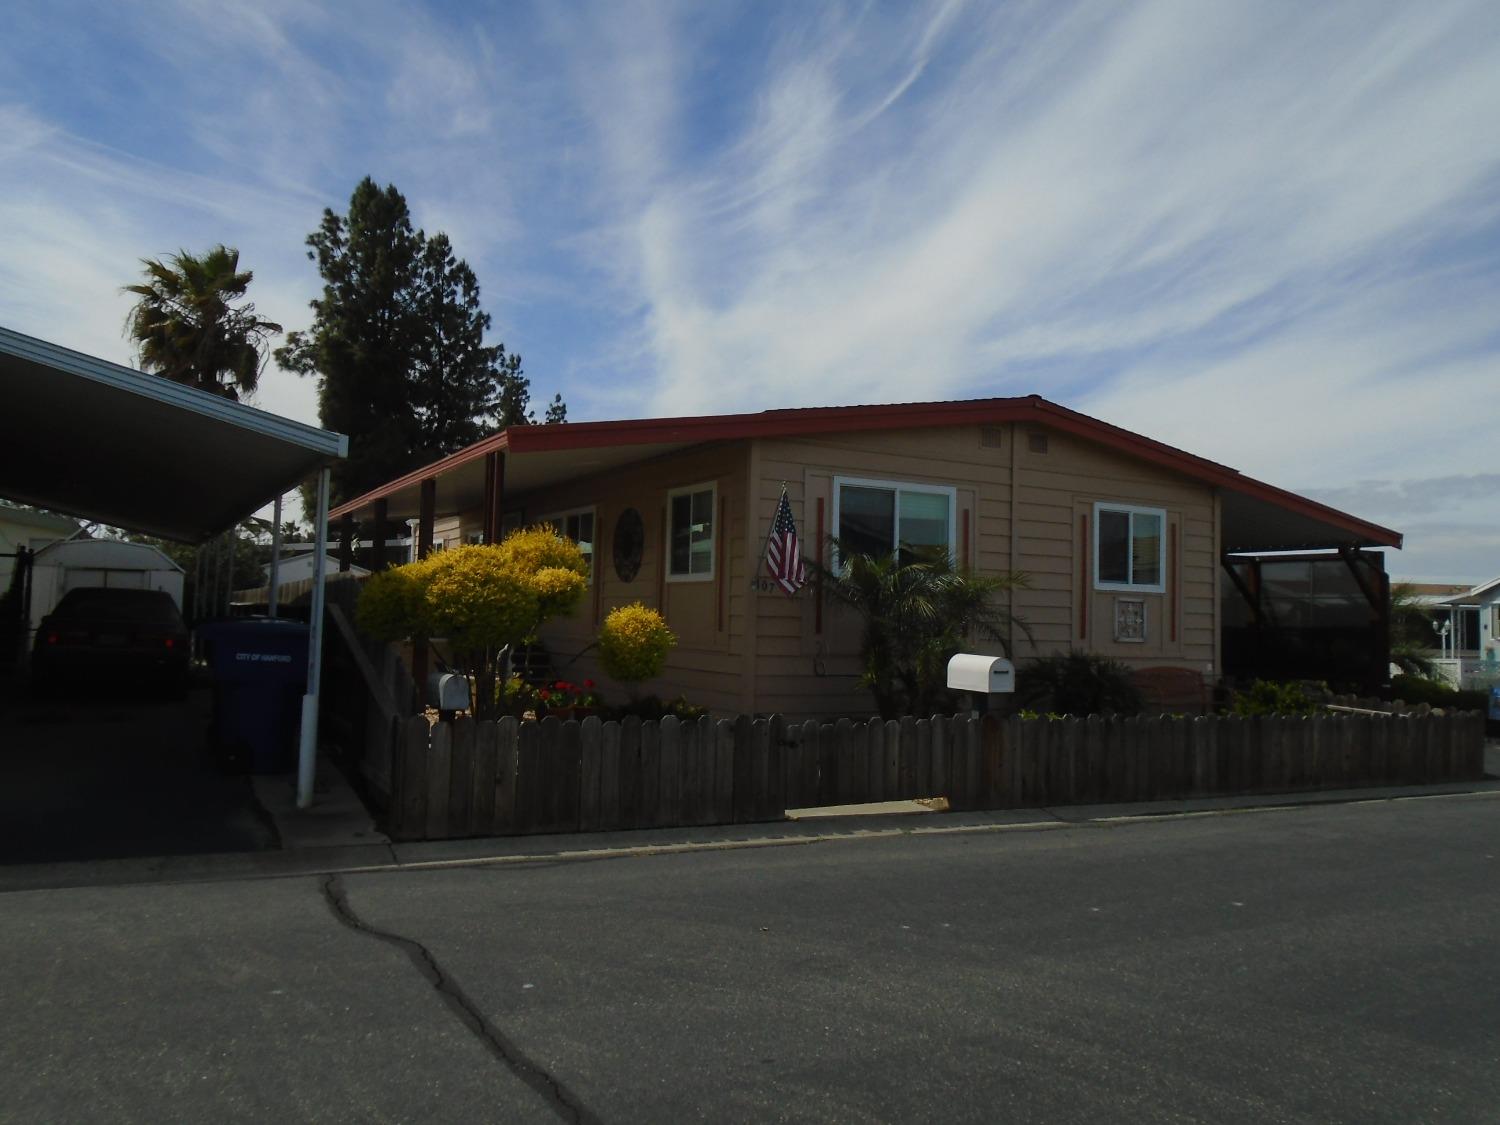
(629, 540)
(1130, 619)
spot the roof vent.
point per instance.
(989, 437)
(1036, 442)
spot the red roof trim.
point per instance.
(842, 419)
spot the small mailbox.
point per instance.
(448, 692)
(982, 675)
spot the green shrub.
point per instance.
(1434, 693)
(1270, 697)
(1078, 683)
(653, 707)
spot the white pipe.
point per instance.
(275, 557)
(307, 758)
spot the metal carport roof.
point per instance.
(94, 439)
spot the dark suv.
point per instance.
(100, 637)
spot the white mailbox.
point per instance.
(448, 692)
(981, 675)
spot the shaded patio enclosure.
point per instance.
(1308, 616)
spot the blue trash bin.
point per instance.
(258, 666)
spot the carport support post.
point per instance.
(275, 557)
(307, 758)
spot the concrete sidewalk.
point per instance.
(338, 837)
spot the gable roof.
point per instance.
(1250, 504)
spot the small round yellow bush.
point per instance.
(634, 642)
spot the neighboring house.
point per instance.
(299, 568)
(20, 527)
(1466, 637)
(1127, 542)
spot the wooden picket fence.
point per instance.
(507, 777)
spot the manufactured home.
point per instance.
(1130, 548)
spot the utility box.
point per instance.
(984, 678)
(448, 692)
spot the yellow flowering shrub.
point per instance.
(475, 600)
(392, 604)
(558, 591)
(634, 642)
(479, 598)
(534, 549)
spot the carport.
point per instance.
(104, 442)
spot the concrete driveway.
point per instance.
(112, 777)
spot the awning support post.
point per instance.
(426, 517)
(275, 557)
(1252, 597)
(307, 757)
(494, 495)
(1376, 587)
(346, 544)
(382, 530)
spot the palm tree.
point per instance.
(192, 325)
(917, 609)
(1411, 633)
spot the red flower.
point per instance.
(544, 694)
(589, 684)
(561, 685)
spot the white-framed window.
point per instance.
(1128, 552)
(690, 532)
(577, 525)
(881, 517)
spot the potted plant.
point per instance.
(567, 700)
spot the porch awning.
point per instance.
(130, 449)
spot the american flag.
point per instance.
(783, 553)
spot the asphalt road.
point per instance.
(1321, 964)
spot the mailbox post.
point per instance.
(985, 679)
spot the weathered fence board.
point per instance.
(507, 777)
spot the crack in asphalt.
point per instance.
(564, 1102)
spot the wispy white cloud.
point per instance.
(1228, 226)
(1266, 233)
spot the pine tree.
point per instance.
(397, 345)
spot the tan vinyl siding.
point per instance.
(802, 672)
(799, 671)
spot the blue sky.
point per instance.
(1268, 233)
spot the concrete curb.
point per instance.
(375, 857)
